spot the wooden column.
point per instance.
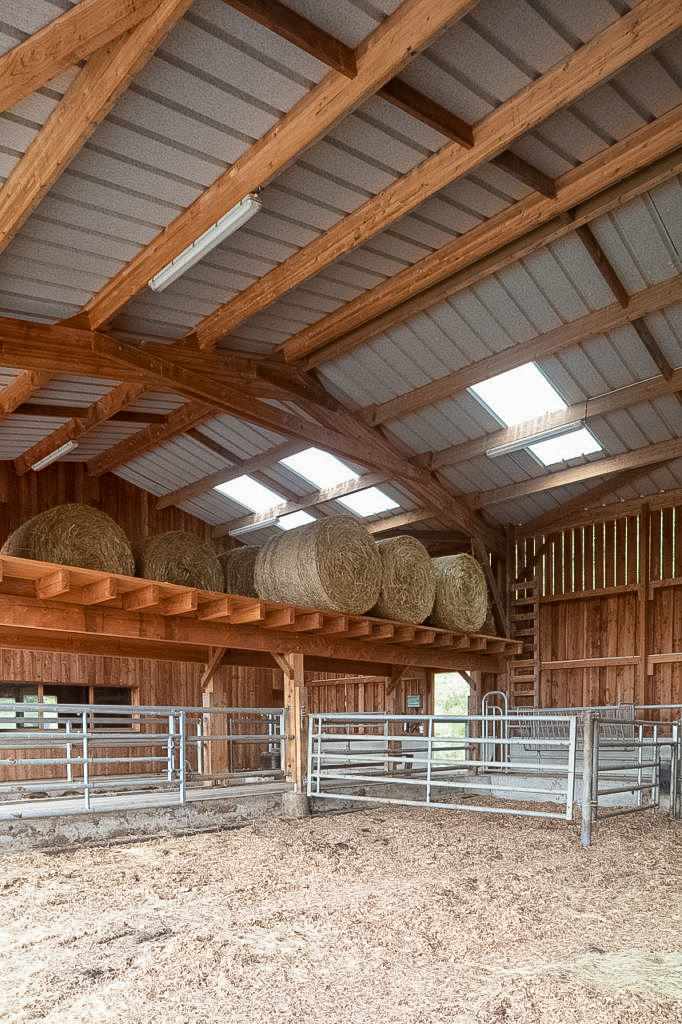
(296, 723)
(217, 656)
(641, 688)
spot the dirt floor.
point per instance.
(384, 916)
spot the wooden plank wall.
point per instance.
(611, 602)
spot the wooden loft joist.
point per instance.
(113, 613)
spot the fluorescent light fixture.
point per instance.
(519, 443)
(260, 524)
(53, 456)
(217, 233)
(369, 502)
(293, 520)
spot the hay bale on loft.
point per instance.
(73, 535)
(179, 557)
(332, 564)
(238, 568)
(408, 580)
(461, 594)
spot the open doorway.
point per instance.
(451, 697)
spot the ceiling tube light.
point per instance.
(519, 443)
(217, 233)
(53, 456)
(260, 524)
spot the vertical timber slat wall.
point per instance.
(610, 611)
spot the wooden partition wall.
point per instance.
(610, 623)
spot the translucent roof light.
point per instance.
(248, 492)
(369, 502)
(319, 468)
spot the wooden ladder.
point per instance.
(524, 667)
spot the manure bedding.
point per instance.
(384, 916)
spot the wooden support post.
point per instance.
(643, 602)
(296, 723)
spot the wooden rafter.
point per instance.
(62, 43)
(623, 398)
(599, 58)
(22, 387)
(561, 338)
(653, 348)
(661, 452)
(641, 161)
(304, 502)
(603, 264)
(237, 468)
(85, 104)
(386, 51)
(304, 34)
(99, 412)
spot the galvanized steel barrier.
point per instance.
(62, 751)
(411, 759)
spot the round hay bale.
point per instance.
(461, 594)
(332, 563)
(73, 535)
(179, 557)
(408, 580)
(238, 566)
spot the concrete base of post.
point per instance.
(295, 805)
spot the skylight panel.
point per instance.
(568, 446)
(319, 468)
(248, 492)
(294, 520)
(519, 394)
(369, 502)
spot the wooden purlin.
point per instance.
(51, 600)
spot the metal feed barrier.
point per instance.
(416, 760)
(92, 752)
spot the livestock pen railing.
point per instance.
(89, 752)
(420, 760)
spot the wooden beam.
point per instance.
(222, 476)
(639, 162)
(561, 338)
(623, 398)
(663, 451)
(293, 27)
(95, 414)
(214, 664)
(381, 56)
(653, 348)
(65, 41)
(426, 110)
(88, 99)
(22, 387)
(306, 501)
(402, 519)
(588, 498)
(498, 603)
(603, 264)
(596, 60)
(525, 172)
(149, 438)
(70, 412)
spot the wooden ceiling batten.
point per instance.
(596, 60)
(22, 387)
(605, 182)
(623, 398)
(663, 451)
(85, 104)
(386, 51)
(292, 26)
(64, 42)
(91, 416)
(561, 338)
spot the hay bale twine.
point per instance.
(332, 564)
(461, 594)
(73, 535)
(408, 580)
(238, 566)
(179, 557)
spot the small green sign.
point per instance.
(414, 701)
